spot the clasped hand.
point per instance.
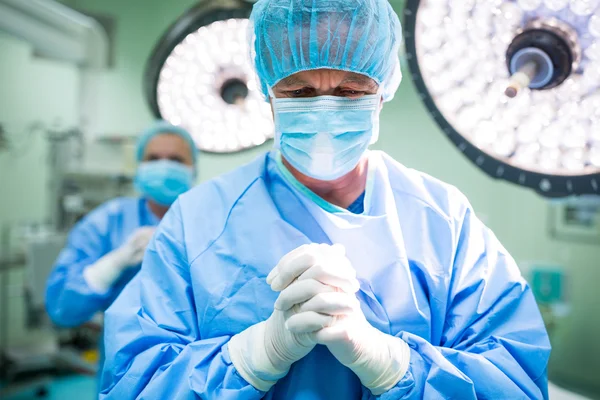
(317, 305)
(318, 285)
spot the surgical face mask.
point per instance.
(163, 180)
(325, 137)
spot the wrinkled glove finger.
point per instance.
(141, 238)
(285, 259)
(292, 266)
(299, 292)
(308, 322)
(332, 303)
(138, 256)
(334, 333)
(334, 272)
(338, 249)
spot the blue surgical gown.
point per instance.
(444, 284)
(69, 300)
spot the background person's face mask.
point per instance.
(325, 137)
(163, 180)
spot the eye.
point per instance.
(352, 93)
(303, 92)
(177, 159)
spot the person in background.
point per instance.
(323, 270)
(105, 249)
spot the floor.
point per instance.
(66, 388)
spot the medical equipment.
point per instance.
(83, 191)
(33, 365)
(575, 219)
(3, 139)
(515, 85)
(75, 191)
(73, 188)
(199, 77)
(72, 193)
(56, 31)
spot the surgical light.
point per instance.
(199, 76)
(515, 85)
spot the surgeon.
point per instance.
(105, 249)
(323, 270)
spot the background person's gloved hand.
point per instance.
(336, 320)
(132, 251)
(101, 275)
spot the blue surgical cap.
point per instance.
(161, 127)
(361, 36)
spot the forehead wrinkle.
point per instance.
(359, 79)
(292, 81)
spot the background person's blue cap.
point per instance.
(161, 127)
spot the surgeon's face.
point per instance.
(325, 82)
(169, 146)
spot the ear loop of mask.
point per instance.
(375, 133)
(277, 138)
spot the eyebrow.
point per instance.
(292, 81)
(360, 80)
(355, 78)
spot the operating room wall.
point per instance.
(32, 92)
(517, 216)
(38, 92)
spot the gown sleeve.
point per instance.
(69, 299)
(494, 344)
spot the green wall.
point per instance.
(517, 216)
(32, 91)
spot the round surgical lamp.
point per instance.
(199, 76)
(515, 85)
